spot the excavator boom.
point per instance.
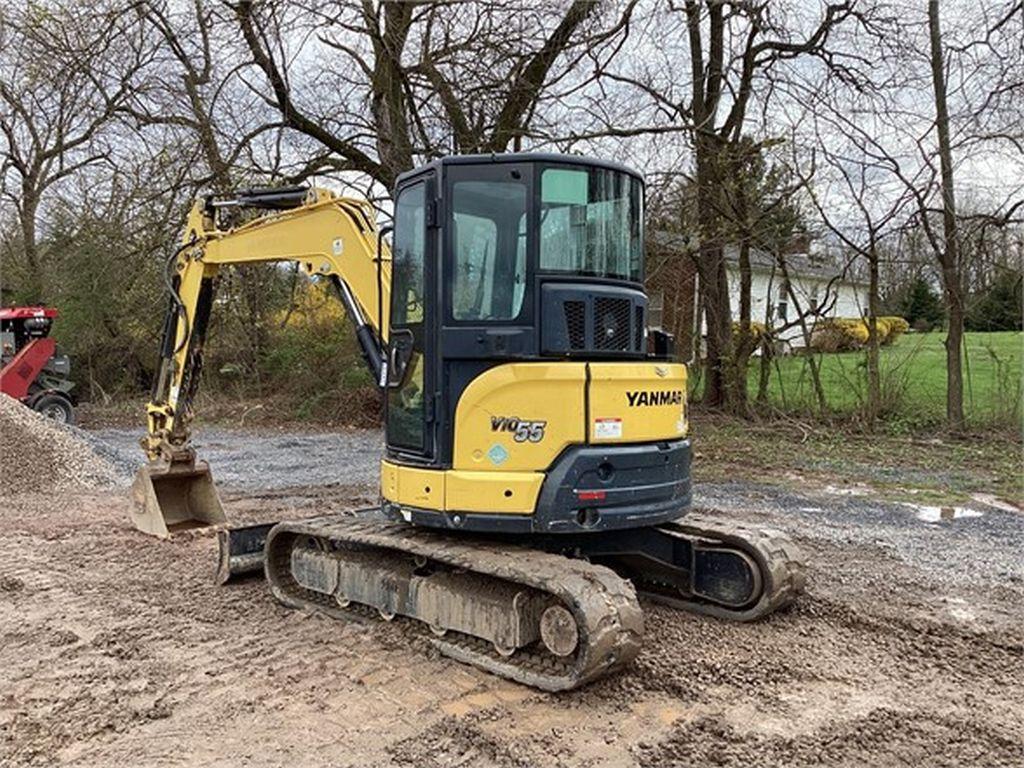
(330, 237)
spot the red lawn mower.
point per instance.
(30, 368)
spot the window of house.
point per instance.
(782, 306)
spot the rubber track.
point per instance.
(782, 569)
(607, 613)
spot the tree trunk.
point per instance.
(34, 288)
(874, 404)
(744, 344)
(714, 280)
(767, 348)
(767, 355)
(949, 259)
(388, 105)
(954, 348)
(806, 333)
(715, 287)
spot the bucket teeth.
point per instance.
(168, 499)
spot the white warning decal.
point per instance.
(607, 428)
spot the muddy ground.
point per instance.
(117, 649)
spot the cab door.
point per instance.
(410, 372)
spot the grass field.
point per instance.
(913, 380)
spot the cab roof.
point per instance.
(521, 157)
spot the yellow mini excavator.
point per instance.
(536, 474)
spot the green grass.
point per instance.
(925, 468)
(913, 380)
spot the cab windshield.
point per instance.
(591, 223)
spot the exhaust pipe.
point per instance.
(175, 497)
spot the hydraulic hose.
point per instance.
(175, 296)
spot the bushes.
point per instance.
(846, 334)
(757, 333)
(308, 366)
(997, 308)
(839, 334)
(895, 327)
(921, 306)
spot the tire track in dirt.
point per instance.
(106, 632)
(882, 737)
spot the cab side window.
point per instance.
(489, 253)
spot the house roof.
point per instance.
(824, 267)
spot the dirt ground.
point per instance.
(117, 649)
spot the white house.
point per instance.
(818, 280)
(819, 284)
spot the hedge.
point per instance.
(845, 334)
(757, 332)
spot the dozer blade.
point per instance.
(168, 499)
(240, 551)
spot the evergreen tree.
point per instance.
(921, 306)
(999, 307)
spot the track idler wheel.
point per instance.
(558, 630)
(726, 576)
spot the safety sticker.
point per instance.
(607, 428)
(498, 455)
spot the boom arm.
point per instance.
(327, 235)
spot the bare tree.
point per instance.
(416, 80)
(862, 224)
(981, 124)
(914, 144)
(52, 117)
(949, 254)
(192, 89)
(732, 56)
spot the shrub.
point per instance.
(997, 308)
(313, 359)
(921, 306)
(757, 332)
(894, 328)
(839, 334)
(845, 334)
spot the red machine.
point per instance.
(32, 371)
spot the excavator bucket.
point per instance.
(168, 499)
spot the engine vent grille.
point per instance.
(611, 324)
(605, 321)
(576, 323)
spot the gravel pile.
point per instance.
(39, 455)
